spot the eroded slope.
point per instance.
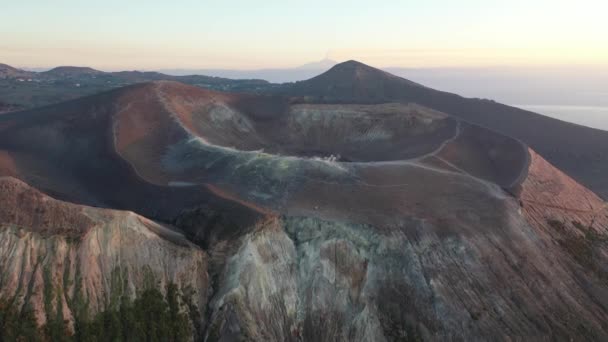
(65, 262)
(461, 271)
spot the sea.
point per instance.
(590, 116)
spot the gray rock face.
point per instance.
(313, 280)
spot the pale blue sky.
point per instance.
(114, 34)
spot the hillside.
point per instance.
(314, 221)
(8, 72)
(67, 264)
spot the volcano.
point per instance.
(340, 212)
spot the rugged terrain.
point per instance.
(300, 220)
(65, 262)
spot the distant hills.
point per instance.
(8, 72)
(517, 85)
(20, 89)
(71, 71)
(525, 85)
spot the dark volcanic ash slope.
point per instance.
(324, 222)
(580, 151)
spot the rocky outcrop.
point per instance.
(303, 279)
(523, 276)
(61, 260)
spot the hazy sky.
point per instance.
(150, 34)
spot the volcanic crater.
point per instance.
(347, 133)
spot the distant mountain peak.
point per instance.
(325, 63)
(353, 70)
(6, 66)
(73, 70)
(351, 63)
(7, 71)
(353, 81)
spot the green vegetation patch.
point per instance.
(152, 316)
